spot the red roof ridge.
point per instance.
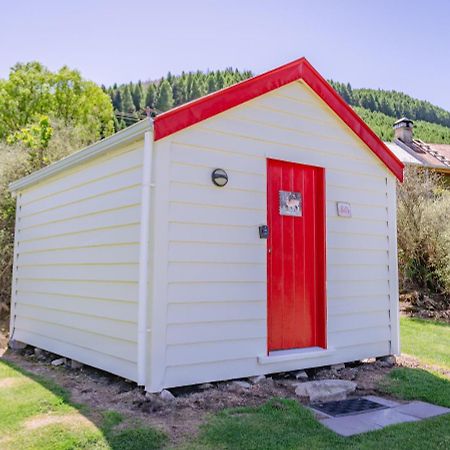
(208, 106)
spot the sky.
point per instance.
(378, 44)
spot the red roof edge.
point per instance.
(210, 105)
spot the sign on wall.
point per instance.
(344, 209)
(290, 203)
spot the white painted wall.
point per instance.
(77, 253)
(209, 308)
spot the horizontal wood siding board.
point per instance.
(119, 254)
(103, 290)
(120, 216)
(97, 324)
(124, 350)
(179, 313)
(216, 292)
(121, 367)
(124, 179)
(125, 234)
(110, 200)
(192, 333)
(104, 166)
(87, 306)
(244, 367)
(112, 273)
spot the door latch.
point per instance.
(263, 231)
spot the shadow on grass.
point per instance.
(93, 429)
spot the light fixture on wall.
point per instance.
(219, 177)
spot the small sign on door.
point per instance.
(344, 209)
(290, 203)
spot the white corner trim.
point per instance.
(122, 137)
(295, 355)
(144, 242)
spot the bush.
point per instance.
(424, 232)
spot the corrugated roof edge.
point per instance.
(96, 149)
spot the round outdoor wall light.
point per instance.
(219, 177)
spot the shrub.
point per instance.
(424, 232)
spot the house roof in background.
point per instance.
(435, 156)
(210, 105)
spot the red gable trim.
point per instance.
(205, 107)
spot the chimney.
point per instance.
(403, 130)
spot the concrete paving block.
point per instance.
(422, 410)
(349, 425)
(386, 417)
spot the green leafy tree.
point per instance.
(150, 97)
(138, 96)
(127, 101)
(32, 91)
(164, 100)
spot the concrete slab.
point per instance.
(349, 425)
(375, 420)
(385, 417)
(422, 410)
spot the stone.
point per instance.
(257, 379)
(301, 375)
(205, 386)
(16, 345)
(166, 395)
(325, 390)
(387, 361)
(241, 384)
(39, 353)
(58, 362)
(338, 366)
(75, 365)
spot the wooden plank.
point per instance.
(85, 289)
(185, 333)
(356, 321)
(106, 165)
(121, 367)
(125, 234)
(363, 304)
(217, 253)
(215, 312)
(124, 350)
(113, 272)
(118, 254)
(118, 329)
(88, 306)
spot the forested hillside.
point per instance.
(380, 109)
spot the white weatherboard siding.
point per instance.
(211, 318)
(77, 255)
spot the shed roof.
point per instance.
(210, 105)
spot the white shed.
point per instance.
(129, 258)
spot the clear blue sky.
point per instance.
(402, 45)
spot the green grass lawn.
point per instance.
(427, 340)
(37, 414)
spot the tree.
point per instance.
(150, 97)
(127, 101)
(164, 99)
(32, 91)
(138, 96)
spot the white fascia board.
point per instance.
(122, 137)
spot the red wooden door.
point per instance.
(296, 256)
